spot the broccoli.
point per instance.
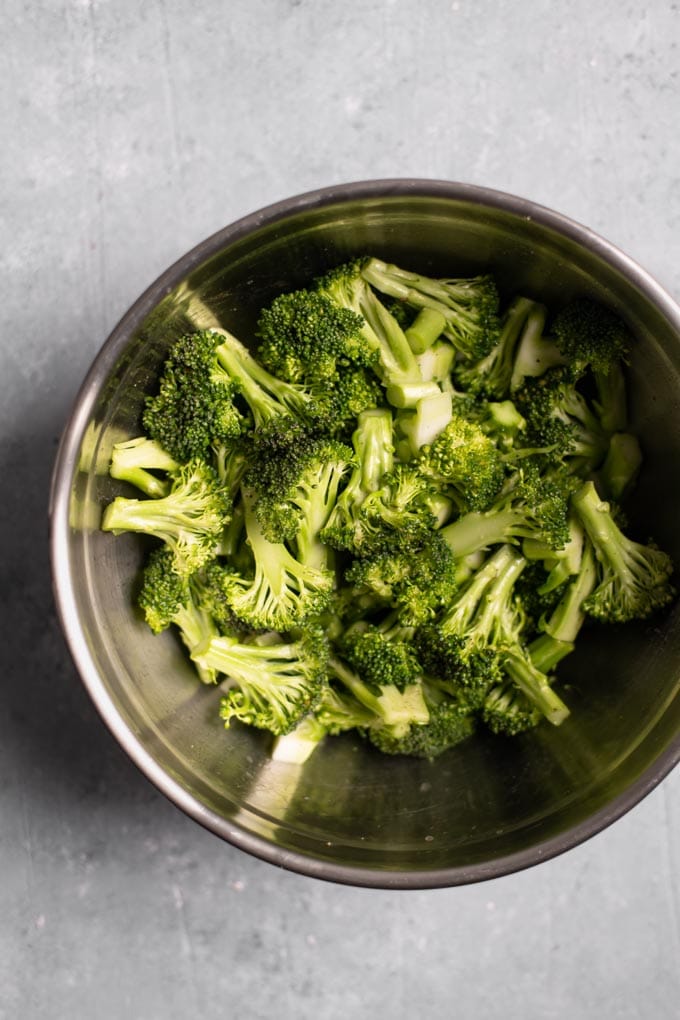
(559, 418)
(633, 580)
(533, 504)
(490, 376)
(381, 655)
(403, 511)
(449, 724)
(305, 337)
(534, 685)
(417, 581)
(194, 407)
(373, 444)
(346, 288)
(590, 335)
(465, 647)
(283, 593)
(508, 712)
(469, 307)
(387, 521)
(297, 489)
(466, 462)
(271, 686)
(396, 709)
(189, 519)
(169, 598)
(135, 460)
(585, 336)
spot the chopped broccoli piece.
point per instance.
(305, 336)
(467, 462)
(271, 686)
(373, 443)
(490, 376)
(590, 335)
(396, 709)
(284, 592)
(134, 461)
(189, 519)
(469, 306)
(533, 504)
(417, 581)
(346, 288)
(633, 580)
(169, 598)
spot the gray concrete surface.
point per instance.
(129, 132)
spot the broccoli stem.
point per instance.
(612, 402)
(602, 530)
(477, 530)
(196, 628)
(568, 617)
(535, 687)
(546, 652)
(374, 446)
(621, 465)
(396, 357)
(427, 327)
(505, 562)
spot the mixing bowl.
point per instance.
(490, 806)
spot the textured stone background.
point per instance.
(129, 132)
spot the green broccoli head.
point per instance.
(559, 418)
(466, 461)
(633, 580)
(416, 581)
(508, 712)
(195, 406)
(189, 519)
(380, 659)
(589, 335)
(306, 337)
(271, 686)
(449, 724)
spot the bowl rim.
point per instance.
(64, 591)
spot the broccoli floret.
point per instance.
(297, 488)
(589, 335)
(339, 711)
(533, 504)
(534, 685)
(633, 580)
(168, 598)
(189, 519)
(465, 647)
(194, 407)
(416, 581)
(284, 592)
(271, 686)
(559, 418)
(396, 709)
(347, 395)
(450, 724)
(381, 656)
(306, 337)
(490, 376)
(373, 444)
(508, 712)
(535, 352)
(346, 288)
(401, 512)
(466, 462)
(469, 306)
(134, 461)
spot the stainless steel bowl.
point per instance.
(490, 806)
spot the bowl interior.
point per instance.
(351, 814)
